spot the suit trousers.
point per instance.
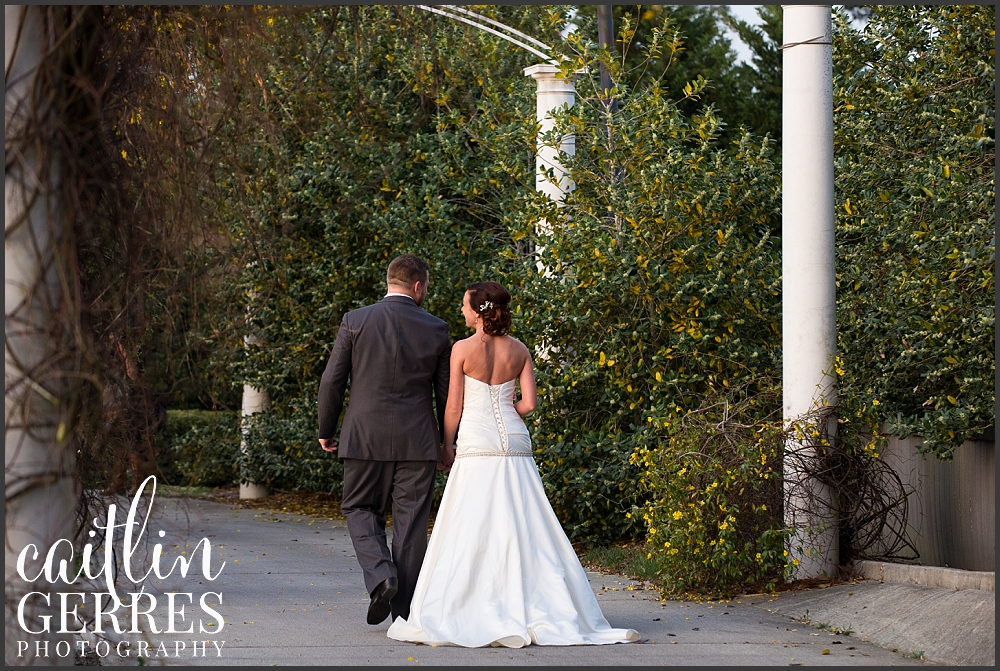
(369, 486)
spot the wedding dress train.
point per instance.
(499, 569)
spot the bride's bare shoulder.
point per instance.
(463, 344)
(518, 346)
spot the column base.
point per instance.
(252, 491)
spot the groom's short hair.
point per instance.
(407, 269)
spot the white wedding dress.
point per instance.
(499, 569)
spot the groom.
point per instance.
(397, 357)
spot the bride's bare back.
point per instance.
(490, 359)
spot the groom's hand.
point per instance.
(328, 444)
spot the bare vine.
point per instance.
(868, 501)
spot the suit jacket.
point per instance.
(398, 359)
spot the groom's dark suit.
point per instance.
(397, 357)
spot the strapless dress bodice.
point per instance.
(490, 426)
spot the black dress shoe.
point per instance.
(378, 609)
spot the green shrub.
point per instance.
(201, 448)
(662, 286)
(714, 512)
(915, 156)
(283, 451)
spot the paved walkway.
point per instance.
(292, 593)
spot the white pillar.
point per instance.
(38, 454)
(553, 93)
(809, 316)
(254, 400)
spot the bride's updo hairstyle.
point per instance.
(492, 302)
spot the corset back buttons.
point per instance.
(495, 400)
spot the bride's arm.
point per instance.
(453, 408)
(529, 393)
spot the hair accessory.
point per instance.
(488, 305)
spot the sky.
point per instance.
(746, 13)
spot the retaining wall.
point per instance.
(952, 520)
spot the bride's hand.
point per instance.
(447, 457)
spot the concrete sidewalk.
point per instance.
(292, 593)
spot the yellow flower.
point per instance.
(678, 514)
(759, 557)
(875, 402)
(795, 561)
(763, 507)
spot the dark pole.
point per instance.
(606, 40)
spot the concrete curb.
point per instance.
(928, 576)
(946, 626)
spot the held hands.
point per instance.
(447, 458)
(328, 444)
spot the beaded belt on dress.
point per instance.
(493, 453)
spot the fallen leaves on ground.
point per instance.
(312, 504)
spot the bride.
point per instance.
(499, 569)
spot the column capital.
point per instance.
(541, 70)
(548, 76)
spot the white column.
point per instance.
(809, 316)
(38, 454)
(254, 400)
(553, 93)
